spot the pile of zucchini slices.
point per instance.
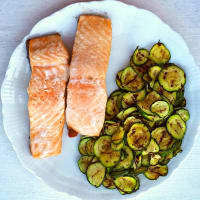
(144, 127)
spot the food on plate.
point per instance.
(144, 126)
(86, 91)
(46, 104)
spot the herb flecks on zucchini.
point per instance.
(145, 123)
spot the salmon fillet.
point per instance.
(86, 91)
(46, 105)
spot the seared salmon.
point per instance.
(86, 91)
(46, 105)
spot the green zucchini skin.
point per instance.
(127, 162)
(108, 182)
(84, 162)
(126, 184)
(83, 145)
(184, 114)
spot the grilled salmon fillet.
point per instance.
(86, 91)
(46, 105)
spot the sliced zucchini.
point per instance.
(110, 127)
(111, 107)
(151, 148)
(120, 115)
(162, 137)
(131, 81)
(151, 118)
(140, 170)
(82, 147)
(118, 136)
(154, 159)
(129, 122)
(143, 68)
(130, 98)
(108, 182)
(171, 96)
(159, 54)
(119, 100)
(150, 98)
(145, 160)
(115, 174)
(117, 147)
(171, 107)
(138, 136)
(129, 111)
(167, 155)
(140, 56)
(154, 71)
(84, 162)
(127, 161)
(150, 124)
(167, 158)
(184, 114)
(103, 145)
(161, 108)
(153, 74)
(172, 78)
(176, 126)
(110, 159)
(96, 173)
(90, 147)
(151, 175)
(118, 79)
(84, 136)
(138, 183)
(116, 93)
(162, 170)
(177, 149)
(105, 153)
(126, 184)
(176, 145)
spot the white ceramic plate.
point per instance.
(131, 27)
